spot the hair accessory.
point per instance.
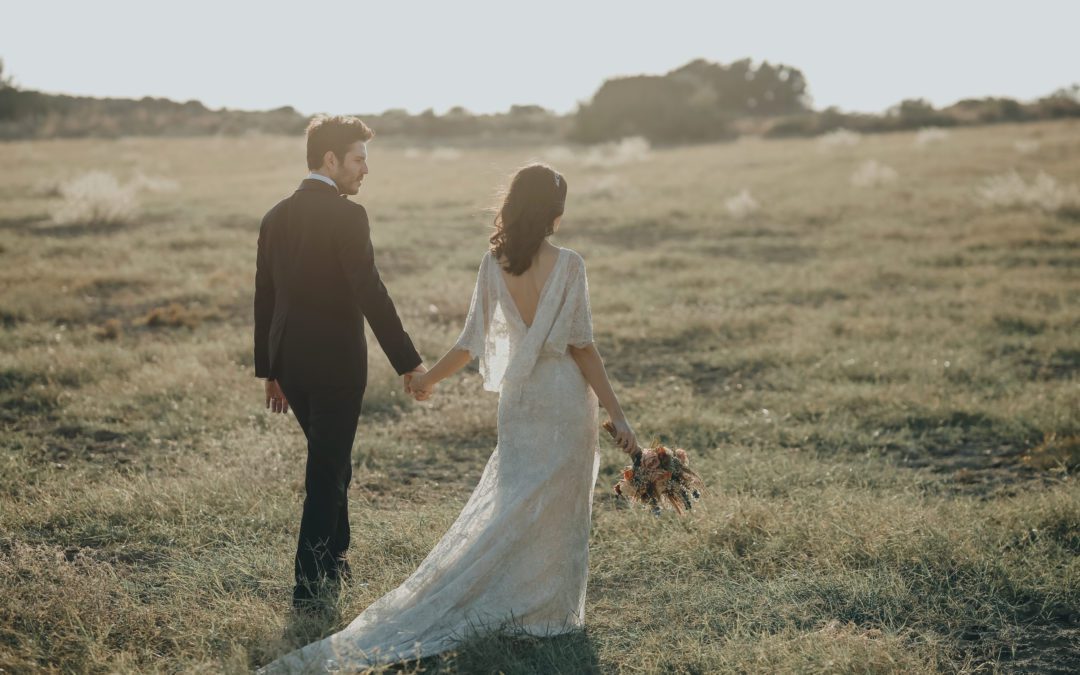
(556, 180)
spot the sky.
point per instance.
(486, 55)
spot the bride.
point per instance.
(517, 555)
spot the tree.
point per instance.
(5, 80)
(696, 102)
(917, 112)
(662, 109)
(1070, 92)
(741, 89)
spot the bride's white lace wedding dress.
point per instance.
(517, 555)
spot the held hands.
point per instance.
(418, 384)
(422, 387)
(624, 436)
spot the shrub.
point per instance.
(928, 135)
(626, 150)
(1010, 190)
(142, 181)
(742, 204)
(95, 198)
(839, 138)
(873, 173)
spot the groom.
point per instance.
(315, 284)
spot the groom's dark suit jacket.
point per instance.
(315, 283)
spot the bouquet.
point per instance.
(659, 477)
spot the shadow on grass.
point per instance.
(22, 222)
(303, 628)
(692, 355)
(568, 653)
(40, 225)
(25, 394)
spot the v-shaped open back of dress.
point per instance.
(512, 302)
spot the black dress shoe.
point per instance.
(306, 604)
(314, 596)
(310, 608)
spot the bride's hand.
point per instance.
(421, 387)
(624, 436)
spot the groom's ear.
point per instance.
(329, 159)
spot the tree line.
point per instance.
(698, 102)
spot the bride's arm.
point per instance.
(592, 367)
(452, 361)
(471, 338)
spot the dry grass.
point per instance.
(1062, 454)
(173, 315)
(878, 386)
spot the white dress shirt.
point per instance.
(318, 176)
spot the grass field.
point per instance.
(878, 383)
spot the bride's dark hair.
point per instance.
(535, 198)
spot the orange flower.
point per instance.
(628, 474)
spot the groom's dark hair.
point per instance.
(335, 133)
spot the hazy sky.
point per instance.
(354, 57)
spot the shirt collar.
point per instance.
(326, 179)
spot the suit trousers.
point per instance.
(328, 417)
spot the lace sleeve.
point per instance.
(473, 334)
(574, 323)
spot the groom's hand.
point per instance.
(275, 398)
(420, 387)
(407, 377)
